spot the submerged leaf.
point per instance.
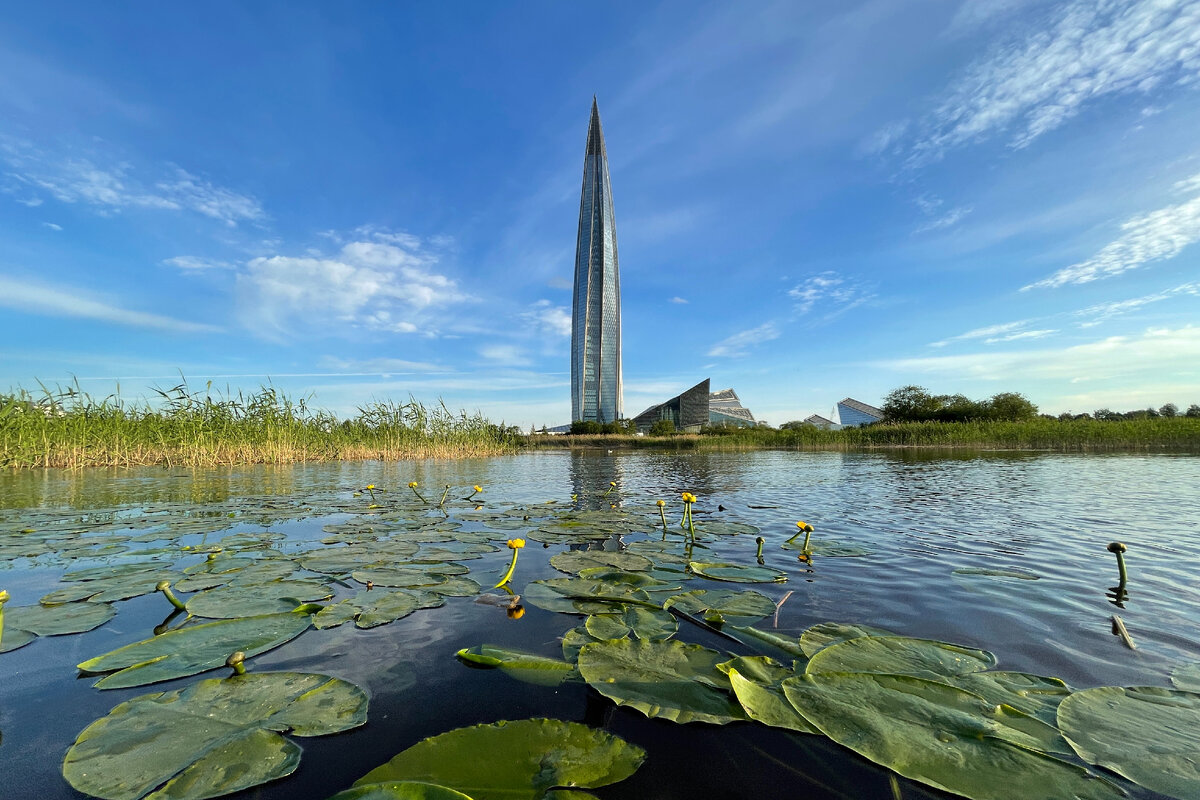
(668, 680)
(400, 790)
(1186, 677)
(940, 735)
(1149, 735)
(736, 573)
(189, 650)
(521, 760)
(212, 738)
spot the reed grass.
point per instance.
(1180, 434)
(70, 428)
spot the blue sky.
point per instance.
(364, 201)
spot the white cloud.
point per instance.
(71, 302)
(834, 292)
(193, 264)
(504, 355)
(547, 319)
(367, 284)
(740, 343)
(678, 300)
(1156, 352)
(1089, 50)
(951, 217)
(559, 282)
(378, 366)
(52, 226)
(1156, 236)
(112, 186)
(1013, 337)
(1103, 312)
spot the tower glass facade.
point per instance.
(596, 391)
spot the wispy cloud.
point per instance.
(61, 301)
(1103, 312)
(950, 218)
(1157, 351)
(52, 226)
(547, 319)
(193, 264)
(740, 344)
(678, 300)
(986, 332)
(504, 355)
(834, 293)
(1090, 49)
(1156, 236)
(111, 186)
(378, 366)
(1019, 335)
(369, 283)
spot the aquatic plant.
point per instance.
(807, 530)
(515, 545)
(1118, 549)
(3, 600)
(476, 490)
(662, 514)
(686, 523)
(165, 588)
(612, 487)
(413, 485)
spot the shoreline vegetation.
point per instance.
(70, 429)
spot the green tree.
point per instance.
(1169, 410)
(909, 404)
(792, 425)
(1193, 411)
(1011, 407)
(663, 427)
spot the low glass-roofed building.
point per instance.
(725, 408)
(687, 411)
(852, 413)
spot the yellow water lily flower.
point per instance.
(478, 488)
(412, 484)
(804, 526)
(516, 544)
(370, 486)
(659, 503)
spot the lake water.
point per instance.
(919, 517)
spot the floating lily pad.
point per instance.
(827, 548)
(573, 561)
(196, 648)
(525, 667)
(370, 609)
(573, 640)
(900, 655)
(523, 759)
(12, 638)
(583, 595)
(458, 586)
(756, 682)
(1035, 695)
(58, 620)
(668, 680)
(1148, 734)
(717, 606)
(787, 644)
(212, 738)
(408, 577)
(736, 573)
(121, 586)
(272, 597)
(824, 634)
(939, 735)
(400, 790)
(652, 624)
(1187, 677)
(719, 528)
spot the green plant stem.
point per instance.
(512, 565)
(165, 588)
(445, 494)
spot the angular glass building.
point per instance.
(596, 392)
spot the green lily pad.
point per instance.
(1148, 734)
(652, 624)
(736, 573)
(719, 528)
(756, 682)
(827, 548)
(786, 644)
(1035, 695)
(408, 577)
(122, 586)
(195, 648)
(1186, 677)
(272, 597)
(372, 608)
(458, 586)
(668, 680)
(824, 634)
(942, 736)
(525, 667)
(212, 738)
(717, 606)
(58, 620)
(523, 759)
(583, 595)
(900, 655)
(400, 790)
(12, 638)
(573, 561)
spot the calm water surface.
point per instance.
(921, 517)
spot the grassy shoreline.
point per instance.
(1180, 434)
(72, 430)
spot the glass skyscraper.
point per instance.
(596, 394)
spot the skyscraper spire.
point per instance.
(596, 390)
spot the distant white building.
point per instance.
(852, 413)
(818, 421)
